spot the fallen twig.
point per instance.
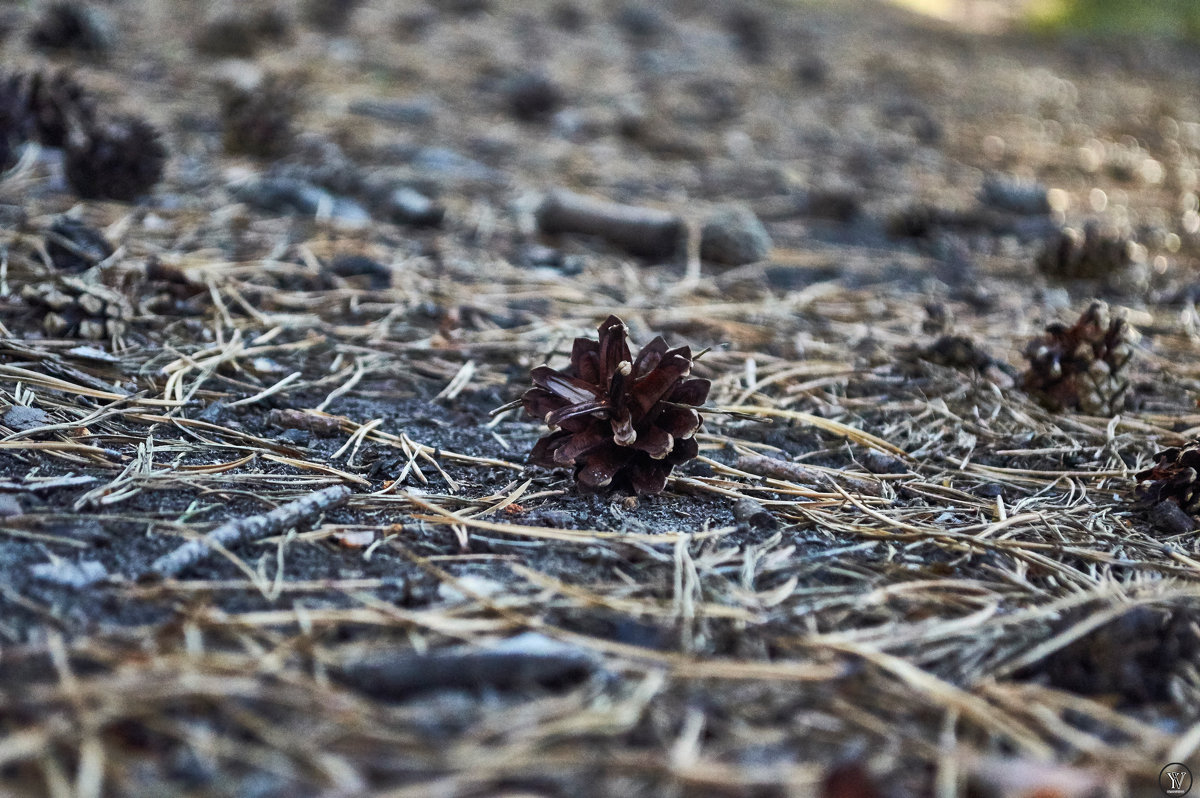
(795, 472)
(640, 231)
(243, 529)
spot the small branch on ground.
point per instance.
(255, 527)
(795, 472)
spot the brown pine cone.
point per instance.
(1081, 367)
(120, 159)
(55, 103)
(1090, 253)
(620, 421)
(74, 27)
(1175, 476)
(14, 122)
(75, 247)
(257, 119)
(79, 309)
(1134, 657)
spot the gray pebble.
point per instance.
(409, 206)
(1014, 195)
(734, 236)
(1170, 519)
(420, 111)
(20, 418)
(71, 574)
(285, 195)
(10, 506)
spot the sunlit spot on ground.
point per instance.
(980, 15)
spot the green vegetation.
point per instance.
(1162, 17)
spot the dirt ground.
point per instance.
(960, 595)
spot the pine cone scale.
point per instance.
(571, 389)
(680, 422)
(691, 392)
(660, 382)
(601, 466)
(649, 358)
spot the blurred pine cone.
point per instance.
(75, 27)
(54, 103)
(1090, 253)
(1134, 657)
(73, 246)
(79, 309)
(119, 159)
(1081, 367)
(257, 118)
(620, 421)
(14, 122)
(1175, 476)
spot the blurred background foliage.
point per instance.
(1156, 17)
(1173, 18)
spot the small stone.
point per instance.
(478, 585)
(331, 16)
(568, 16)
(750, 30)
(532, 97)
(227, 36)
(379, 275)
(838, 204)
(537, 255)
(1014, 195)
(411, 207)
(462, 8)
(734, 236)
(442, 162)
(420, 111)
(10, 506)
(1169, 518)
(284, 195)
(810, 70)
(642, 24)
(69, 574)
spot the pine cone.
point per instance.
(1135, 656)
(1090, 253)
(75, 247)
(257, 119)
(1081, 367)
(121, 159)
(620, 421)
(75, 27)
(54, 104)
(14, 122)
(79, 309)
(1174, 476)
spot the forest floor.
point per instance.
(958, 593)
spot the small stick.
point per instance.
(640, 231)
(795, 472)
(238, 531)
